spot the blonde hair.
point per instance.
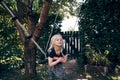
(53, 40)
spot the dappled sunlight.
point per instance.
(116, 77)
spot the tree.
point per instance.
(99, 25)
(29, 47)
(25, 10)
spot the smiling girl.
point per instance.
(56, 57)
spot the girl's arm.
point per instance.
(53, 63)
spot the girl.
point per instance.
(56, 56)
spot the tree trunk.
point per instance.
(30, 60)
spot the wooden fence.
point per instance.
(72, 43)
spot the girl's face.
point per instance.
(58, 41)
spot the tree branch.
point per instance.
(42, 19)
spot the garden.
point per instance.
(27, 25)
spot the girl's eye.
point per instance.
(57, 39)
(60, 39)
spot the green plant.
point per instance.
(97, 58)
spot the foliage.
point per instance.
(100, 27)
(10, 45)
(62, 5)
(65, 6)
(42, 74)
(97, 58)
(10, 50)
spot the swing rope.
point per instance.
(51, 32)
(26, 32)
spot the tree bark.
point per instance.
(30, 60)
(42, 19)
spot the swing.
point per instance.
(29, 36)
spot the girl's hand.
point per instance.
(60, 59)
